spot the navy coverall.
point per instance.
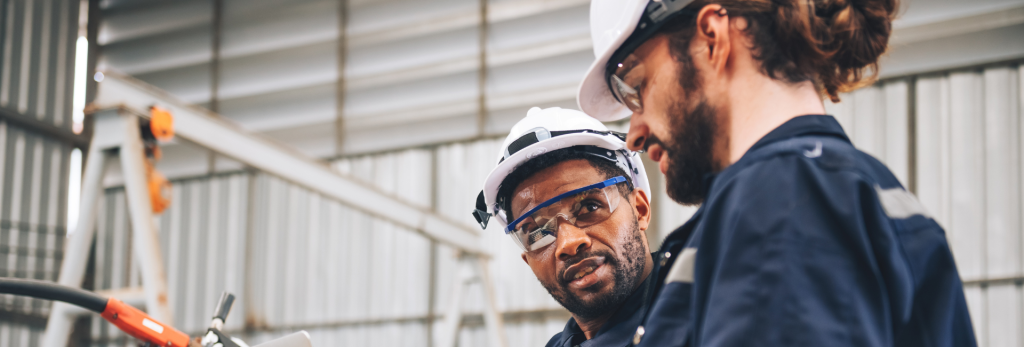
(806, 241)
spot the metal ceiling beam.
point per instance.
(204, 128)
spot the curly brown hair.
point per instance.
(834, 43)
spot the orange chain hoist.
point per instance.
(158, 129)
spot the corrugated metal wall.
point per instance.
(33, 187)
(37, 40)
(969, 175)
(37, 50)
(300, 261)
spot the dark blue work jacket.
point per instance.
(806, 241)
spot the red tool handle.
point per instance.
(141, 326)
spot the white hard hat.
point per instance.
(547, 130)
(613, 23)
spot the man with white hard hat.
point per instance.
(800, 239)
(575, 201)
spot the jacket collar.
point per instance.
(822, 125)
(800, 126)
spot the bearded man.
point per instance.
(575, 201)
(800, 239)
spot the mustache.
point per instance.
(608, 256)
(653, 140)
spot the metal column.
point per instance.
(470, 270)
(113, 131)
(72, 269)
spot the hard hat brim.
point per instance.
(500, 172)
(594, 97)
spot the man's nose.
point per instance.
(571, 240)
(638, 133)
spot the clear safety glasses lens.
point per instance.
(626, 94)
(626, 81)
(581, 208)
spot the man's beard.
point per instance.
(626, 271)
(689, 150)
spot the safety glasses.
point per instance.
(627, 81)
(581, 207)
(624, 72)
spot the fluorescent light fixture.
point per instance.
(74, 189)
(78, 100)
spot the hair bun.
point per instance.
(855, 33)
(834, 43)
(859, 30)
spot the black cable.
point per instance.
(53, 291)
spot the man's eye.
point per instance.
(527, 226)
(590, 206)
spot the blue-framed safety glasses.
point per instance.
(581, 207)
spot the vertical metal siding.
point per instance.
(37, 47)
(36, 55)
(313, 263)
(969, 176)
(33, 191)
(36, 44)
(876, 120)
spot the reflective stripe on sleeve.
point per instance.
(682, 268)
(899, 203)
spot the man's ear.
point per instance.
(713, 34)
(643, 209)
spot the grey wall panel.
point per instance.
(948, 52)
(967, 163)
(125, 21)
(968, 168)
(933, 171)
(979, 317)
(406, 63)
(550, 26)
(278, 71)
(876, 120)
(262, 112)
(33, 205)
(15, 335)
(202, 238)
(163, 51)
(252, 27)
(190, 83)
(460, 124)
(1003, 323)
(1002, 172)
(558, 70)
(37, 45)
